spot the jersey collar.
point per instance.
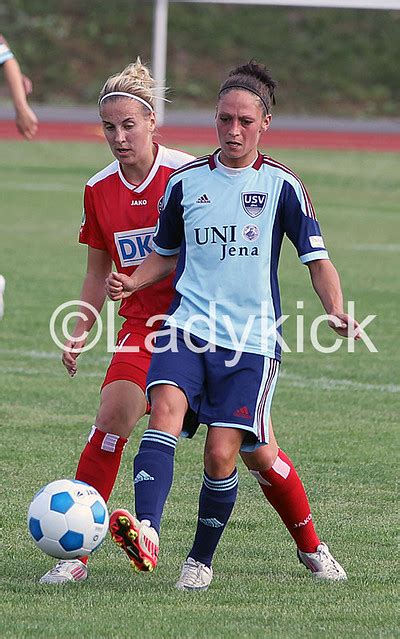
(257, 164)
(139, 188)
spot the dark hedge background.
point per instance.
(337, 62)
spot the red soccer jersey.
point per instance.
(120, 218)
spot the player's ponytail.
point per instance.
(255, 78)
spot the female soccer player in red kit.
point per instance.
(121, 208)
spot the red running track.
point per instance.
(185, 135)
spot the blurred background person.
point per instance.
(20, 87)
(27, 123)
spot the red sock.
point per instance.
(100, 460)
(99, 463)
(285, 492)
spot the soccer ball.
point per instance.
(68, 519)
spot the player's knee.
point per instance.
(168, 407)
(263, 458)
(165, 414)
(267, 456)
(114, 419)
(219, 462)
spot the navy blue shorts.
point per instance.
(237, 396)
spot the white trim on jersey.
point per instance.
(170, 158)
(165, 252)
(5, 54)
(101, 175)
(164, 157)
(314, 255)
(175, 159)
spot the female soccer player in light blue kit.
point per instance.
(222, 225)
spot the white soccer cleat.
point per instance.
(322, 564)
(194, 575)
(2, 287)
(65, 571)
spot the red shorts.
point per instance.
(130, 366)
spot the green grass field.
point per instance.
(335, 415)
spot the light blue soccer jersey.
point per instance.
(228, 226)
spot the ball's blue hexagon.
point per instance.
(35, 529)
(98, 512)
(71, 540)
(61, 502)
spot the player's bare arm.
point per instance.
(326, 283)
(26, 120)
(153, 269)
(98, 265)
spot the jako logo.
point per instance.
(254, 203)
(304, 522)
(133, 246)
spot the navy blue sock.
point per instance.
(217, 498)
(153, 470)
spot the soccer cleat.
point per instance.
(2, 287)
(65, 571)
(322, 564)
(194, 575)
(137, 539)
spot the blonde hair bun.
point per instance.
(135, 79)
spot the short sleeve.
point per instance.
(300, 223)
(90, 232)
(170, 229)
(5, 51)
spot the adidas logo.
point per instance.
(242, 412)
(142, 476)
(211, 522)
(203, 199)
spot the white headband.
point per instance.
(127, 95)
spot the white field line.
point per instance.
(290, 379)
(35, 354)
(40, 186)
(389, 248)
(42, 354)
(326, 383)
(29, 372)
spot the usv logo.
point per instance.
(133, 246)
(254, 203)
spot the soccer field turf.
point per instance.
(334, 414)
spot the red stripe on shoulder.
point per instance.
(191, 165)
(310, 209)
(257, 164)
